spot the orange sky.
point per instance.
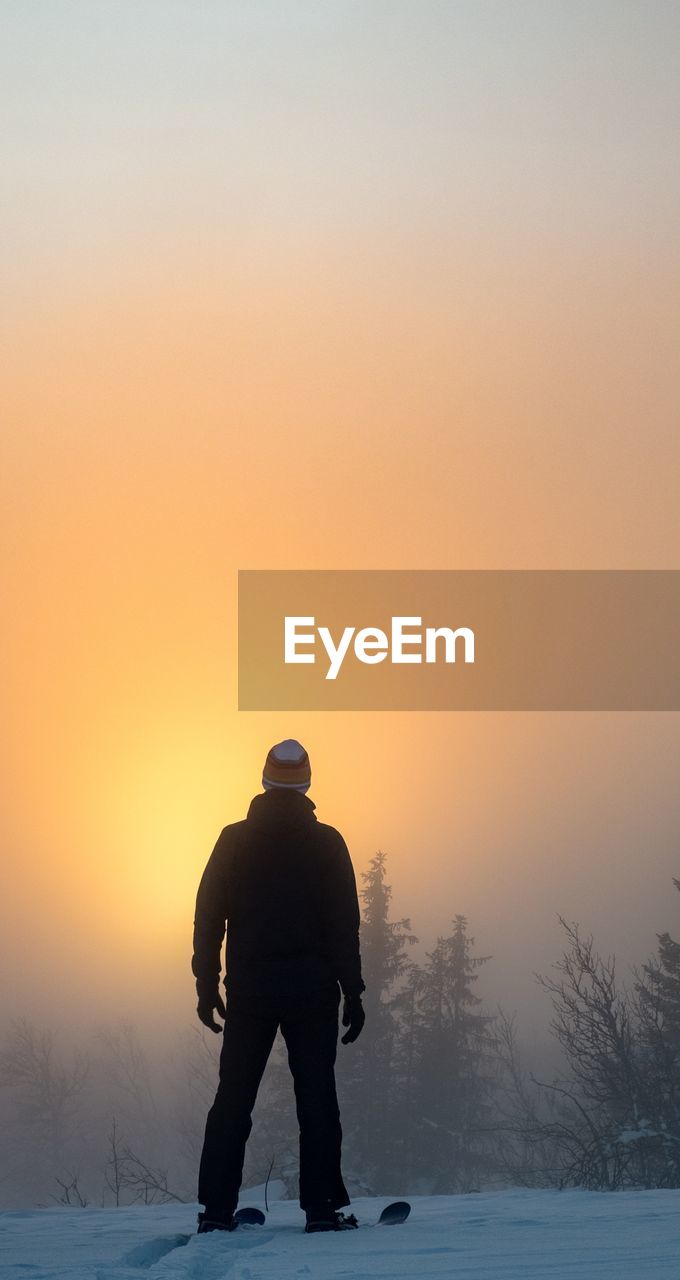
(254, 320)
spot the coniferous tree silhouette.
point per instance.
(452, 1052)
(658, 996)
(663, 976)
(366, 1073)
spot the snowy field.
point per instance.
(504, 1235)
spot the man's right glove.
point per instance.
(209, 999)
(353, 1017)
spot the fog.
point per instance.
(539, 816)
(509, 819)
(318, 287)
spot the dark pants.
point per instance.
(311, 1041)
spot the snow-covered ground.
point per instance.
(504, 1235)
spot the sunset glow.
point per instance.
(421, 324)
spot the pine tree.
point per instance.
(367, 1069)
(451, 1075)
(658, 992)
(664, 976)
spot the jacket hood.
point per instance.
(280, 808)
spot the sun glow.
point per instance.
(171, 798)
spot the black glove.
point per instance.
(209, 999)
(353, 1016)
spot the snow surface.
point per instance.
(502, 1235)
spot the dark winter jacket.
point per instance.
(283, 885)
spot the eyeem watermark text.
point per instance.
(459, 640)
(406, 642)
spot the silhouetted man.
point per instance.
(283, 885)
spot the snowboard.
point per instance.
(394, 1213)
(391, 1215)
(249, 1217)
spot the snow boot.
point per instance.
(218, 1220)
(325, 1218)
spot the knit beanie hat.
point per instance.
(287, 765)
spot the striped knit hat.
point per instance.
(287, 765)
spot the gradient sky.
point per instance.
(324, 285)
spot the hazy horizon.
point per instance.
(324, 287)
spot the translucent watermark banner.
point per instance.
(459, 640)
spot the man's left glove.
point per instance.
(353, 1017)
(209, 999)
